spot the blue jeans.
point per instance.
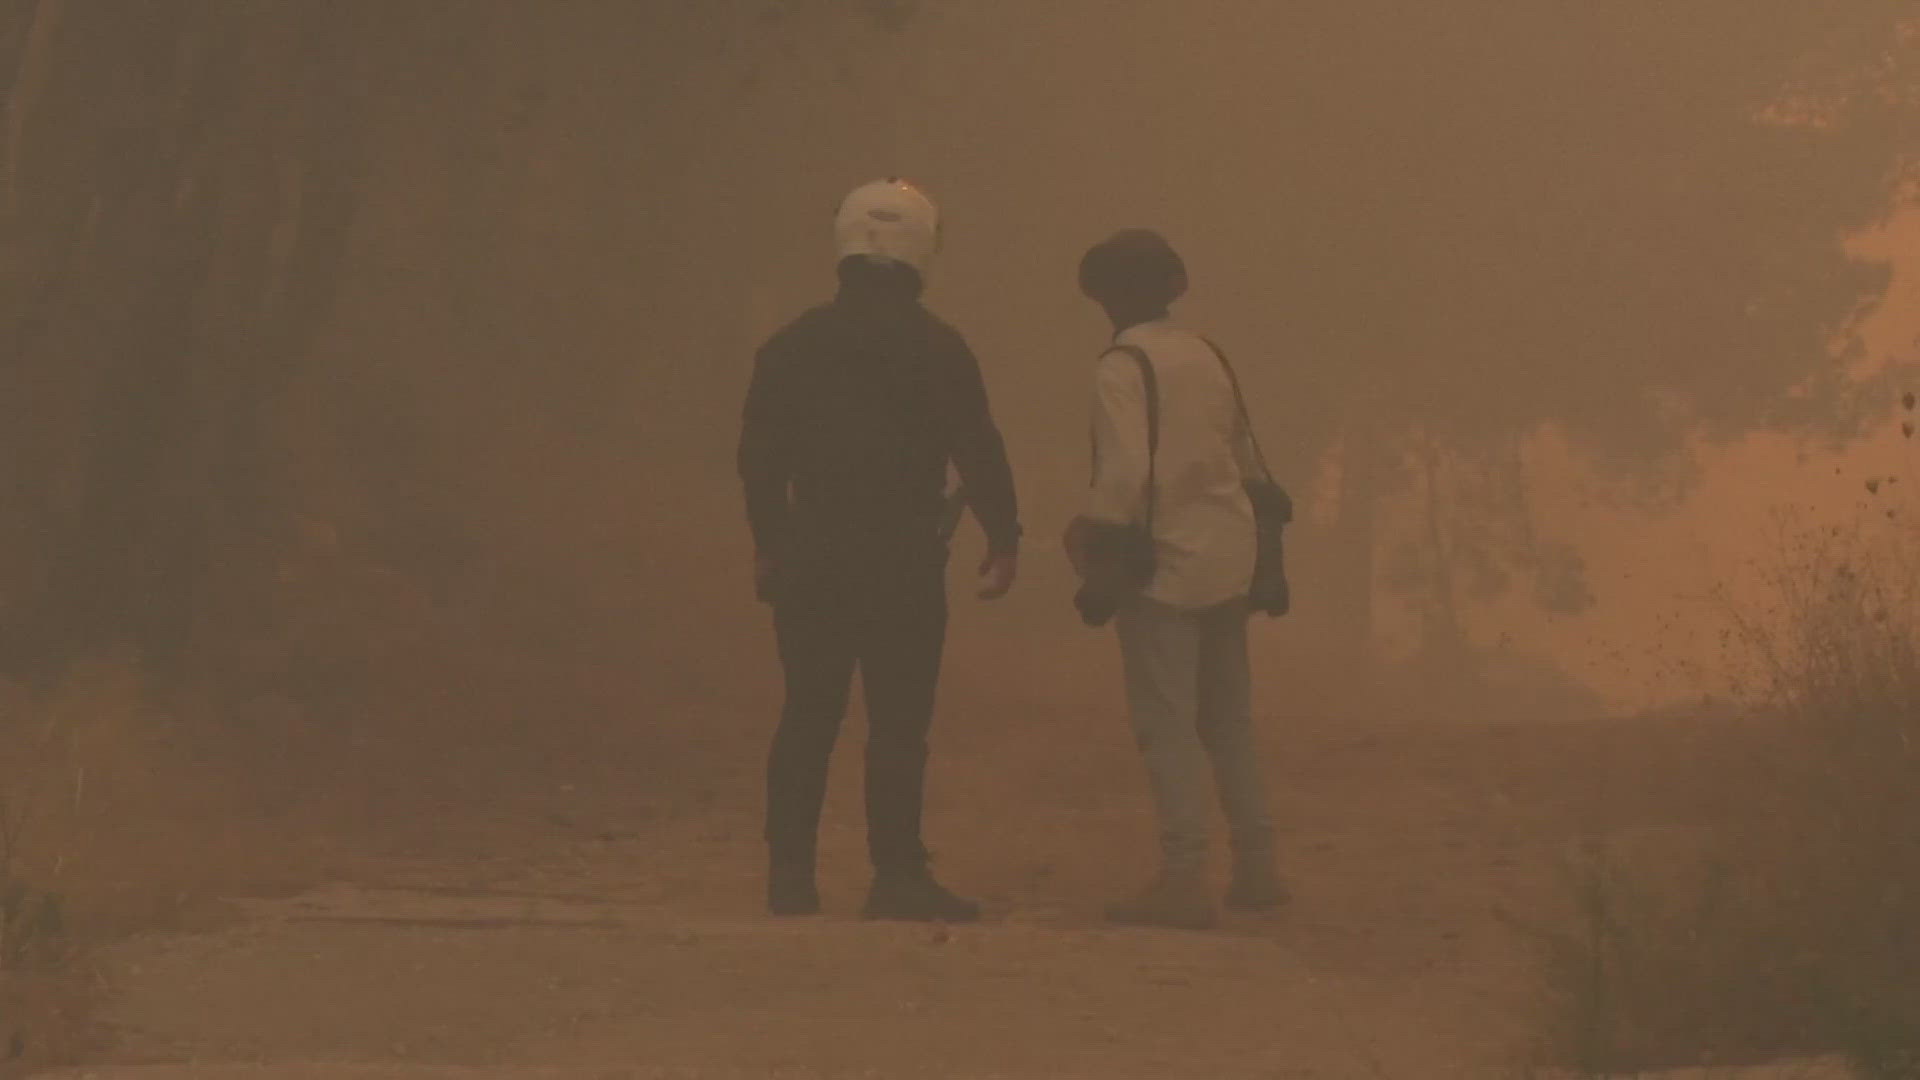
(1189, 692)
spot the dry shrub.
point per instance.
(1842, 671)
(44, 979)
(98, 836)
(1789, 921)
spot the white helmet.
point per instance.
(888, 219)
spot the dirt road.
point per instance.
(621, 937)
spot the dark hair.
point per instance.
(1133, 268)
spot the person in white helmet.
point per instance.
(854, 411)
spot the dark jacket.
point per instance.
(854, 411)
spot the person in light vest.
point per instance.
(1173, 489)
(854, 413)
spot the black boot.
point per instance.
(790, 887)
(912, 894)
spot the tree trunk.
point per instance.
(1355, 532)
(1443, 637)
(203, 278)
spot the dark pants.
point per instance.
(892, 626)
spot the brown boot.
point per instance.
(1176, 899)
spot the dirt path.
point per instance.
(621, 943)
(499, 986)
(527, 984)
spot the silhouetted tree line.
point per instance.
(180, 186)
(1472, 220)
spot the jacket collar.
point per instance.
(871, 281)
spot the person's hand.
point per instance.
(763, 574)
(997, 572)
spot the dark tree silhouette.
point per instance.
(179, 183)
(1456, 226)
(1625, 223)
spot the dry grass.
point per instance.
(46, 981)
(122, 810)
(106, 827)
(1788, 922)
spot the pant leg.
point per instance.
(1159, 650)
(1226, 730)
(900, 668)
(816, 635)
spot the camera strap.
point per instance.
(1150, 387)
